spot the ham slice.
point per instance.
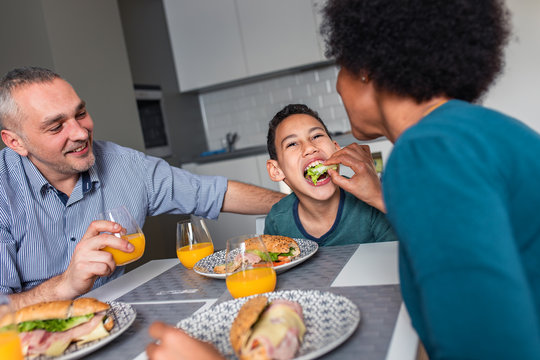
(292, 304)
(248, 257)
(288, 346)
(38, 341)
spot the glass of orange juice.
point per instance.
(249, 267)
(10, 344)
(132, 233)
(193, 241)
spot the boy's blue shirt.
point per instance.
(355, 222)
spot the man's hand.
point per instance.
(365, 183)
(174, 344)
(88, 262)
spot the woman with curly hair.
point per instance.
(459, 188)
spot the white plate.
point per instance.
(123, 315)
(205, 266)
(329, 318)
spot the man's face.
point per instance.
(56, 130)
(301, 141)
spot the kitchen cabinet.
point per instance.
(218, 41)
(278, 34)
(250, 169)
(205, 40)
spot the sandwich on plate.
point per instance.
(49, 327)
(263, 330)
(282, 250)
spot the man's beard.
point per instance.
(64, 167)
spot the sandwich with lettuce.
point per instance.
(50, 327)
(318, 172)
(281, 249)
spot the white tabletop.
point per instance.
(371, 264)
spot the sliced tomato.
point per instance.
(277, 263)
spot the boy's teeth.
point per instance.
(316, 162)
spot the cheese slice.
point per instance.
(275, 323)
(97, 333)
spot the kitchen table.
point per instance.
(366, 274)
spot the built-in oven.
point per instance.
(153, 122)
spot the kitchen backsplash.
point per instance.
(247, 109)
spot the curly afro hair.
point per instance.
(420, 48)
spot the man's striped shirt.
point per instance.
(40, 227)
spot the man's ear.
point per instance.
(274, 171)
(14, 142)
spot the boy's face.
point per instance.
(301, 141)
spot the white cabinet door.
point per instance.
(278, 34)
(217, 41)
(206, 42)
(263, 173)
(317, 10)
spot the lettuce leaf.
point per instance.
(316, 171)
(274, 255)
(54, 325)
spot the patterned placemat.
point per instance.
(319, 271)
(177, 283)
(379, 307)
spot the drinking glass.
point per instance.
(193, 241)
(10, 344)
(248, 266)
(133, 234)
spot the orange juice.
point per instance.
(122, 258)
(190, 254)
(251, 282)
(10, 346)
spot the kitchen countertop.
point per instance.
(238, 153)
(342, 139)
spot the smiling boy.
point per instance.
(320, 211)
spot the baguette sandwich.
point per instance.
(263, 330)
(49, 327)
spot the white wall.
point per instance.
(517, 91)
(247, 109)
(83, 42)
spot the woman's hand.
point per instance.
(365, 183)
(174, 344)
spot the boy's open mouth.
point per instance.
(316, 171)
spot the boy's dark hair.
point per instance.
(420, 48)
(291, 109)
